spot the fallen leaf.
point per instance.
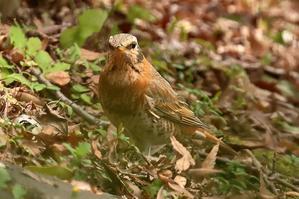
(28, 97)
(16, 56)
(31, 147)
(95, 149)
(89, 55)
(59, 149)
(160, 193)
(186, 161)
(60, 78)
(180, 190)
(3, 138)
(210, 160)
(136, 191)
(182, 181)
(292, 194)
(207, 167)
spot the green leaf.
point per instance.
(58, 171)
(153, 188)
(79, 88)
(98, 17)
(3, 63)
(60, 66)
(44, 60)
(18, 191)
(4, 177)
(139, 12)
(90, 21)
(73, 53)
(8, 79)
(288, 89)
(69, 148)
(17, 37)
(18, 77)
(86, 98)
(69, 36)
(33, 46)
(37, 86)
(83, 149)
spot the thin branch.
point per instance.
(59, 95)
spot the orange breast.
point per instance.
(117, 96)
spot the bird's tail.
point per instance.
(211, 138)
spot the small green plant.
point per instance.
(89, 22)
(4, 177)
(18, 191)
(236, 179)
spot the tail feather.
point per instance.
(211, 138)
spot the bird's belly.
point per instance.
(143, 129)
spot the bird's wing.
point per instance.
(165, 103)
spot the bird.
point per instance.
(135, 96)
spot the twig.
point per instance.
(285, 183)
(81, 112)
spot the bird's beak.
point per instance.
(121, 49)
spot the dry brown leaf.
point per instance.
(136, 191)
(60, 78)
(28, 97)
(160, 193)
(32, 147)
(89, 55)
(210, 160)
(59, 149)
(95, 149)
(4, 139)
(292, 194)
(186, 161)
(182, 181)
(180, 190)
(208, 164)
(16, 56)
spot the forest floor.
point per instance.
(236, 63)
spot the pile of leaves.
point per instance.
(234, 62)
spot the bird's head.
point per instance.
(124, 48)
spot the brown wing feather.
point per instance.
(165, 103)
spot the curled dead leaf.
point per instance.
(160, 193)
(60, 78)
(186, 161)
(27, 97)
(182, 181)
(95, 149)
(210, 160)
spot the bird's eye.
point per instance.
(132, 46)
